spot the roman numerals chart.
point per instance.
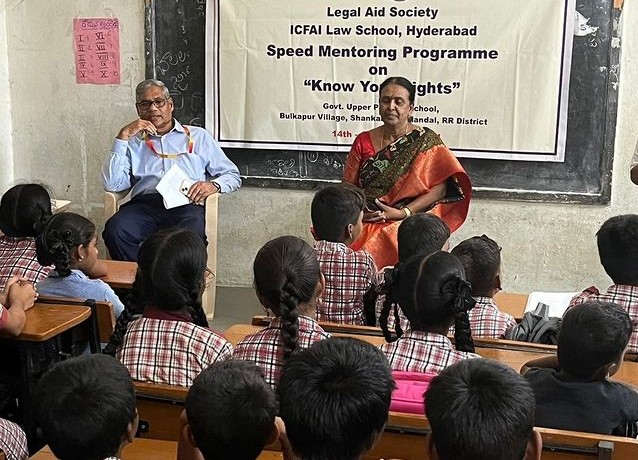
(96, 44)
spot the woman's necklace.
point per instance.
(390, 138)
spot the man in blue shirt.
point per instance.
(143, 151)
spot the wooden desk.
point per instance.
(40, 345)
(628, 372)
(120, 274)
(512, 303)
(140, 449)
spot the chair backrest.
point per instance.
(105, 314)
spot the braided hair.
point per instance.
(60, 235)
(23, 210)
(170, 276)
(398, 287)
(286, 274)
(443, 297)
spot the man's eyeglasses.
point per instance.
(145, 105)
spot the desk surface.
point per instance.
(140, 449)
(628, 372)
(45, 321)
(512, 303)
(120, 274)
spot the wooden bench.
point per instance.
(140, 449)
(159, 407)
(104, 311)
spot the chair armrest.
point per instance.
(112, 201)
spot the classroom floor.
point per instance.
(235, 305)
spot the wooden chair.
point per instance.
(112, 202)
(105, 315)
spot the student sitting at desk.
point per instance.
(481, 259)
(618, 251)
(418, 236)
(17, 297)
(86, 408)
(442, 298)
(334, 399)
(351, 276)
(23, 210)
(572, 390)
(229, 412)
(13, 441)
(170, 343)
(69, 242)
(288, 283)
(481, 409)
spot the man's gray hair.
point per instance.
(146, 84)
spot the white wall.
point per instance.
(62, 131)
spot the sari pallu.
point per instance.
(398, 174)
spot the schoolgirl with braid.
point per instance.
(442, 297)
(163, 336)
(23, 210)
(289, 283)
(68, 241)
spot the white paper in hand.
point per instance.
(170, 185)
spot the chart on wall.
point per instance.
(492, 77)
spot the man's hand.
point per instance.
(200, 190)
(135, 127)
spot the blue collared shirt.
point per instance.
(133, 164)
(77, 284)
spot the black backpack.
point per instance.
(536, 327)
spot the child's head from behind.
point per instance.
(67, 241)
(481, 259)
(170, 276)
(334, 398)
(421, 234)
(23, 209)
(218, 394)
(171, 269)
(592, 339)
(288, 282)
(336, 212)
(442, 298)
(618, 248)
(86, 408)
(481, 409)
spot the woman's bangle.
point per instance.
(407, 211)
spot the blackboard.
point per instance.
(175, 54)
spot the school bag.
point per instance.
(536, 327)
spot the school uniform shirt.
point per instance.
(170, 351)
(567, 403)
(349, 275)
(13, 441)
(623, 295)
(18, 258)
(486, 320)
(418, 351)
(265, 347)
(77, 284)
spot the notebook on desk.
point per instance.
(557, 301)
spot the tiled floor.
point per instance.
(235, 305)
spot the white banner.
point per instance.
(491, 75)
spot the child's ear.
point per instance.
(79, 252)
(348, 233)
(497, 283)
(131, 429)
(321, 285)
(534, 446)
(186, 432)
(278, 429)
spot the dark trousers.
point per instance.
(137, 219)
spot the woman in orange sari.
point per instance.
(403, 169)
